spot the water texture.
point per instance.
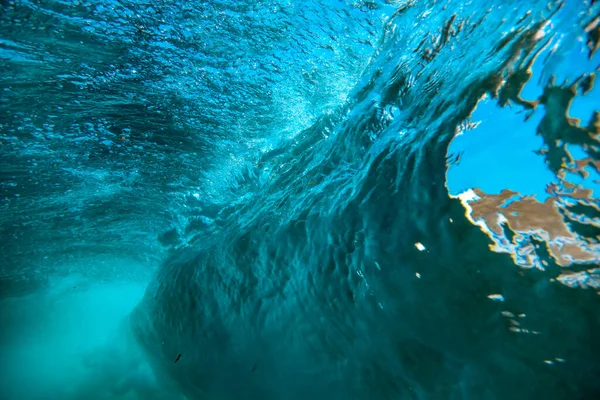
(299, 199)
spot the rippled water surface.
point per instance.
(326, 199)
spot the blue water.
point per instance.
(266, 199)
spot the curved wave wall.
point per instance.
(342, 200)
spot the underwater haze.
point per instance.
(290, 200)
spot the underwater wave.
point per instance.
(304, 185)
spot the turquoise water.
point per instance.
(296, 199)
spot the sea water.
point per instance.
(274, 199)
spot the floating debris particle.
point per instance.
(496, 297)
(420, 246)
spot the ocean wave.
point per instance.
(293, 176)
